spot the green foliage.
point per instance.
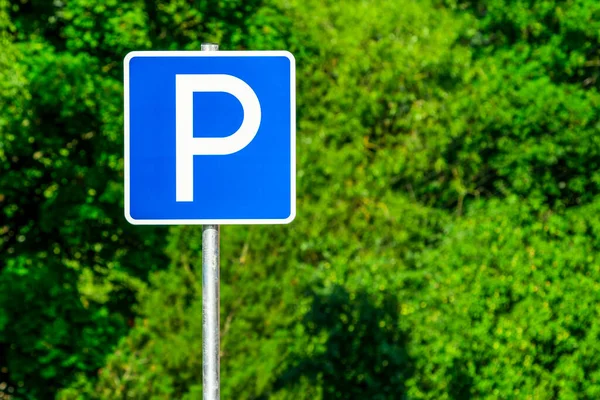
(523, 121)
(69, 265)
(561, 37)
(360, 352)
(264, 307)
(52, 326)
(446, 244)
(504, 306)
(528, 137)
(508, 306)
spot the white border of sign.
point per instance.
(266, 53)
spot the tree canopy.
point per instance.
(446, 244)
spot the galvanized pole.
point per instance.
(210, 302)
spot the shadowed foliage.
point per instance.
(363, 353)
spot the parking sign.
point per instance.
(210, 137)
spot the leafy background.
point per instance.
(447, 238)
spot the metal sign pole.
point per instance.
(210, 302)
(210, 312)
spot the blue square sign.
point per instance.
(210, 137)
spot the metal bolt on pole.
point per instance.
(210, 301)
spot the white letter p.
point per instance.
(187, 146)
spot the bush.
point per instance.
(446, 238)
(508, 306)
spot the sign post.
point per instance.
(210, 139)
(210, 302)
(210, 312)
